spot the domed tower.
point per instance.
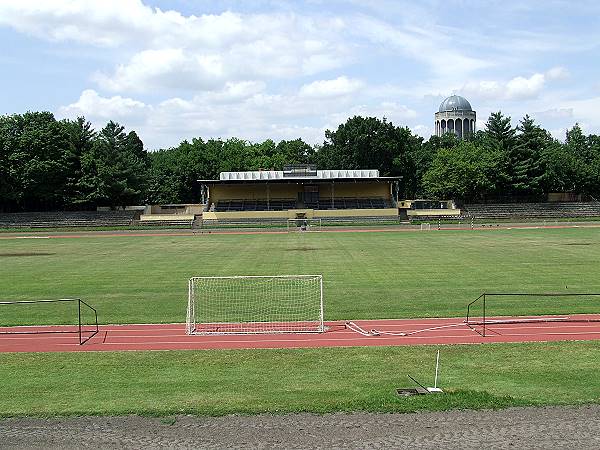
(455, 116)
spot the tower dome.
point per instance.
(455, 115)
(455, 103)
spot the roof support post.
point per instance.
(332, 194)
(268, 197)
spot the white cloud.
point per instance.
(173, 51)
(251, 74)
(165, 68)
(98, 108)
(331, 88)
(423, 130)
(265, 47)
(558, 73)
(105, 23)
(555, 113)
(518, 88)
(254, 115)
(431, 45)
(393, 112)
(585, 112)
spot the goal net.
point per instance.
(425, 227)
(255, 304)
(294, 225)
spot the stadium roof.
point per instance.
(281, 176)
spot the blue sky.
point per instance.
(173, 70)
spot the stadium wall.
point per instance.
(292, 214)
(355, 190)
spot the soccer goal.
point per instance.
(295, 225)
(425, 227)
(501, 308)
(64, 315)
(255, 304)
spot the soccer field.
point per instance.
(366, 275)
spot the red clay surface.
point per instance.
(420, 332)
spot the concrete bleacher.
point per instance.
(67, 219)
(254, 205)
(286, 204)
(167, 220)
(565, 210)
(350, 203)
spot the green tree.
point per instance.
(526, 158)
(37, 149)
(81, 137)
(585, 150)
(422, 156)
(370, 143)
(499, 132)
(562, 169)
(466, 172)
(113, 169)
(10, 127)
(294, 152)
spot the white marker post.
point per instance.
(437, 365)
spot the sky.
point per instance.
(256, 70)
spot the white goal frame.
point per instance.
(301, 225)
(212, 300)
(425, 226)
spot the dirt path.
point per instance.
(531, 428)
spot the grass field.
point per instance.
(279, 381)
(366, 275)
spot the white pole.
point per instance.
(437, 364)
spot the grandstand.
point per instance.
(529, 211)
(297, 192)
(65, 219)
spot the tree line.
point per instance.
(48, 164)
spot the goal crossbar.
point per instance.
(255, 304)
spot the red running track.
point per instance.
(417, 332)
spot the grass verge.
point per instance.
(286, 381)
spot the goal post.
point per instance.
(425, 226)
(294, 225)
(255, 304)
